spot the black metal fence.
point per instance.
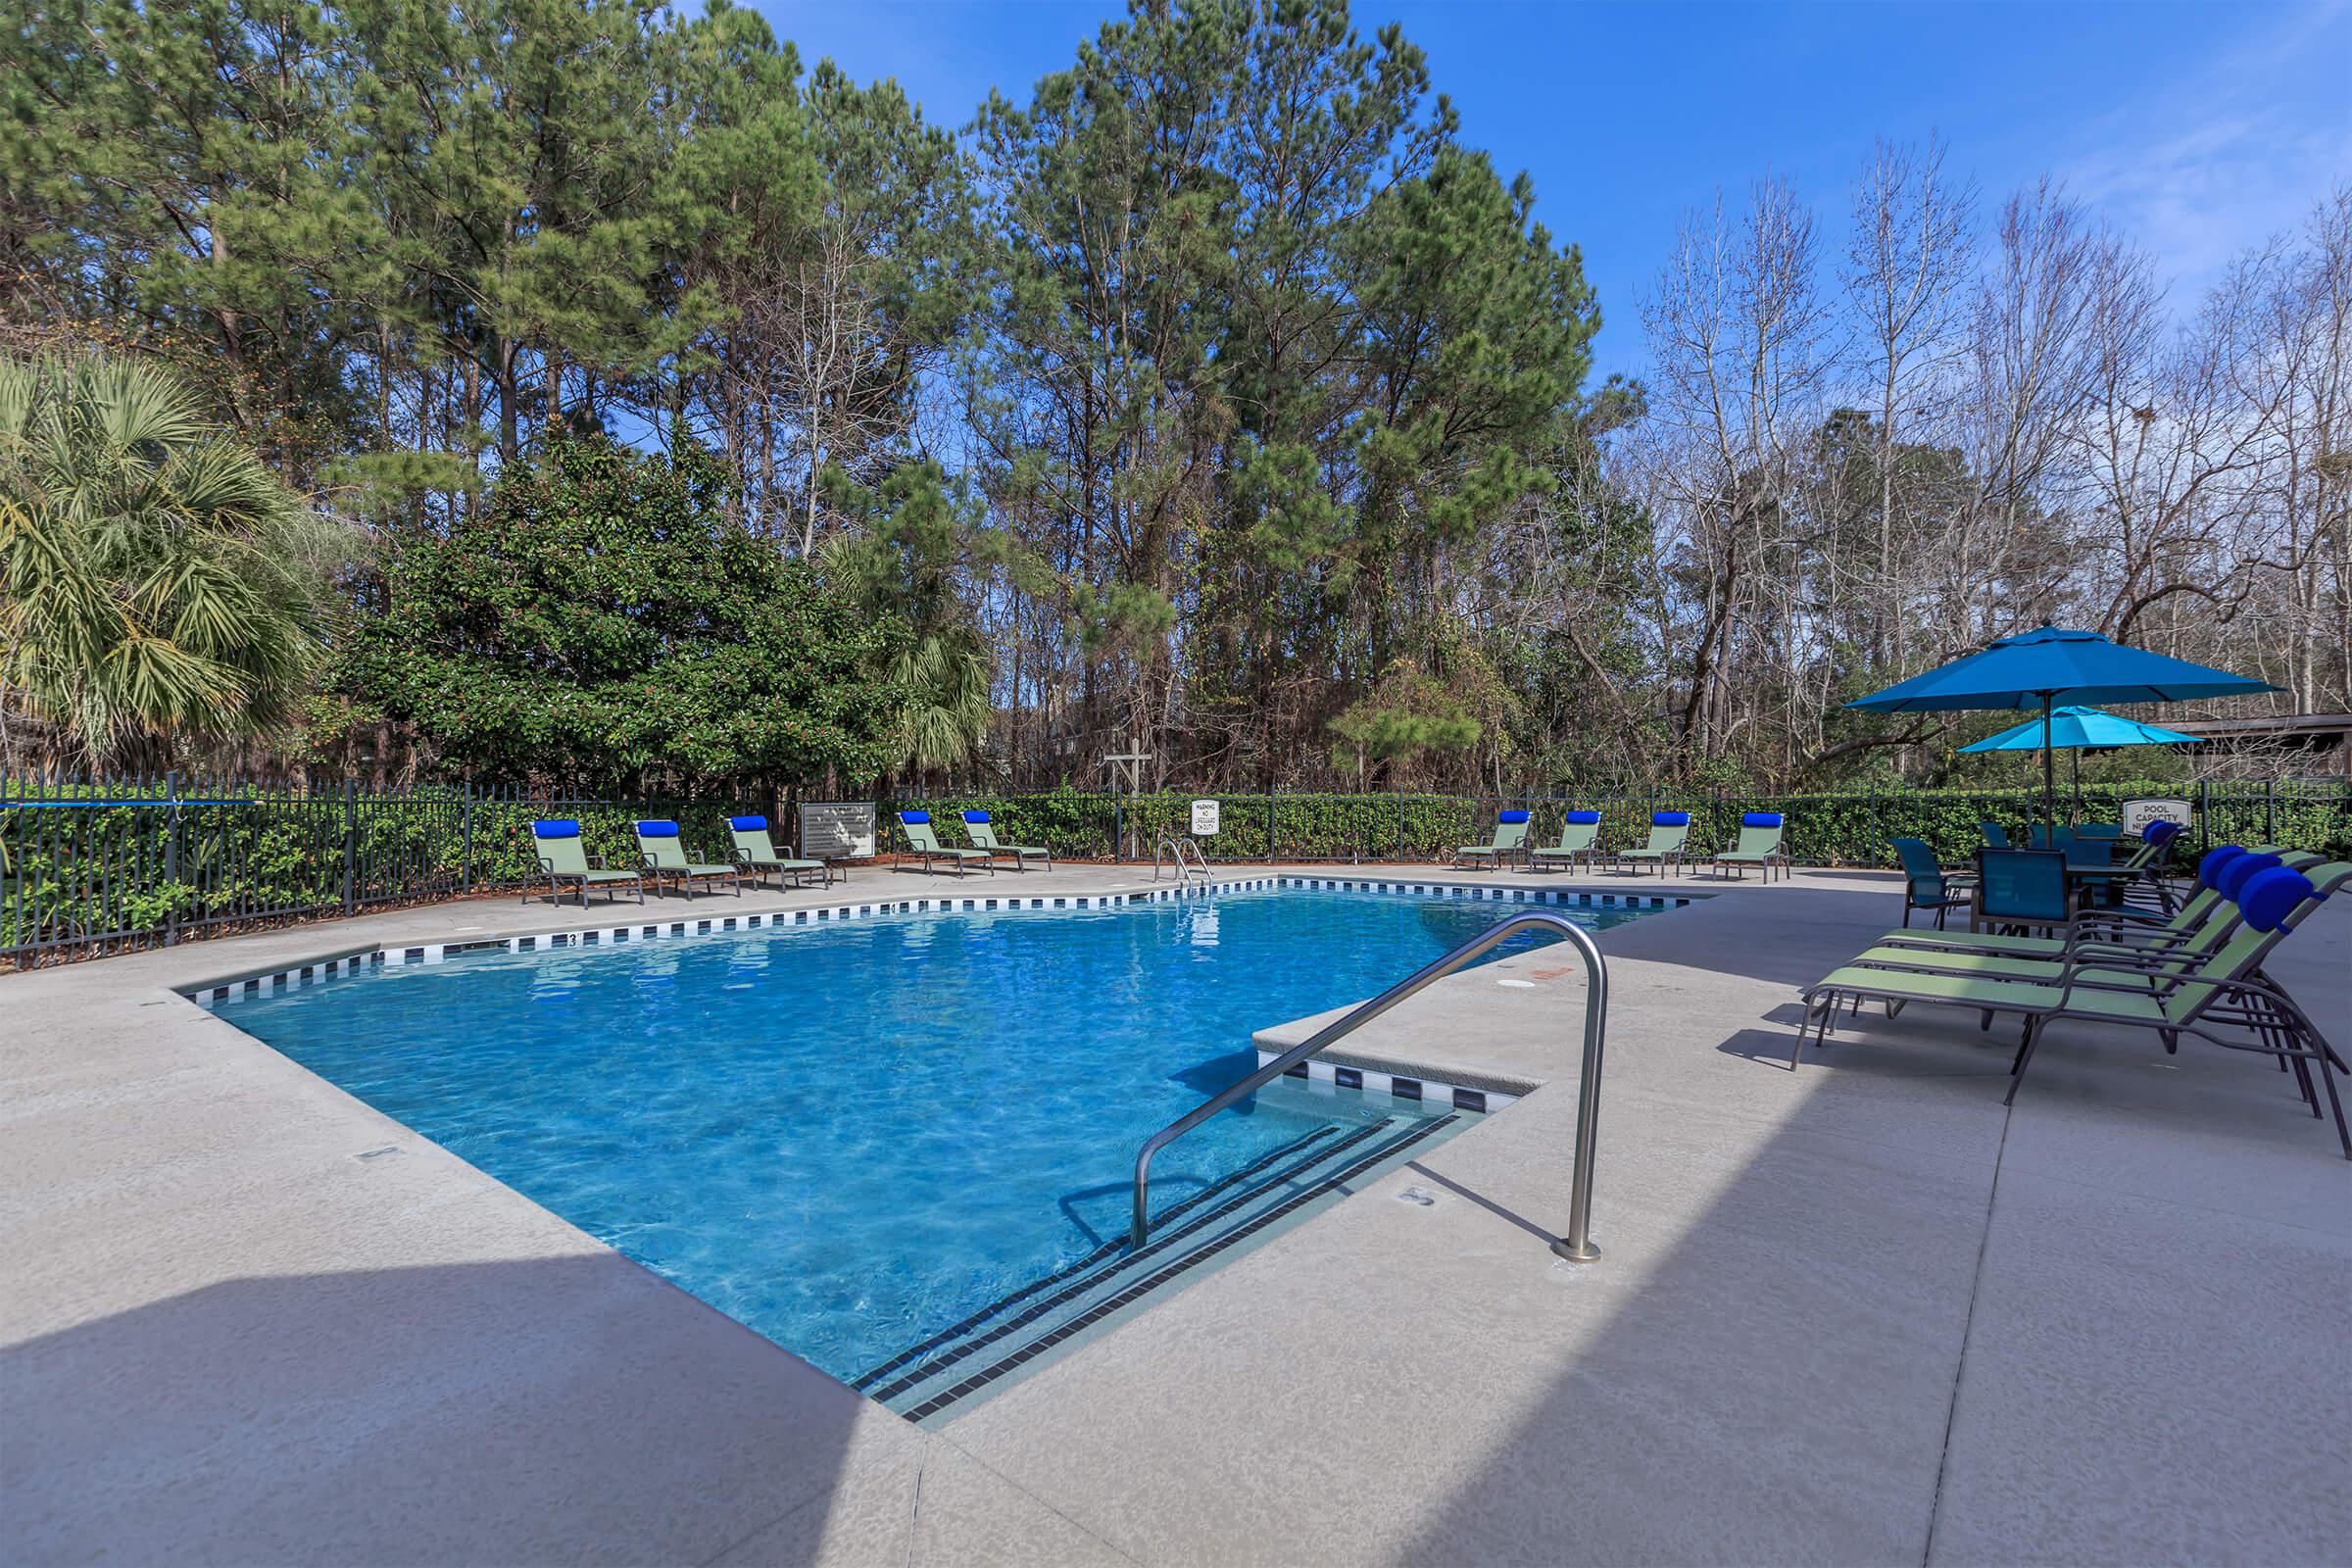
(1827, 828)
(97, 865)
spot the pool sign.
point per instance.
(1204, 820)
(836, 830)
(2141, 815)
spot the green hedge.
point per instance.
(1824, 829)
(76, 876)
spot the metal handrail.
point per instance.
(1577, 1246)
(1171, 846)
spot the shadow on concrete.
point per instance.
(1784, 1383)
(565, 1409)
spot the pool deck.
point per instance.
(1856, 1313)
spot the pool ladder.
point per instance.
(1577, 1246)
(1172, 847)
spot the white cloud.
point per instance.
(2200, 167)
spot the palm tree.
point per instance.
(945, 673)
(159, 585)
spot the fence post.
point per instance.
(1269, 824)
(1119, 825)
(2269, 811)
(171, 859)
(466, 873)
(349, 854)
(1401, 827)
(2204, 820)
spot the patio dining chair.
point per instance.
(1926, 883)
(2020, 889)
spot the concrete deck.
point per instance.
(1855, 1314)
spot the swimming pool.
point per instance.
(853, 1135)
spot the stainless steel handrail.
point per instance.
(1171, 846)
(1577, 1246)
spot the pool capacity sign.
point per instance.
(1204, 820)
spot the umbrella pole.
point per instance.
(2050, 776)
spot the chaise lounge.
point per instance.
(1510, 837)
(665, 859)
(984, 836)
(563, 860)
(923, 840)
(756, 853)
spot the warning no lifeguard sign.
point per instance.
(1204, 820)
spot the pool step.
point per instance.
(928, 1380)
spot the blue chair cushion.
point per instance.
(2217, 861)
(1670, 818)
(1510, 817)
(2162, 831)
(2270, 896)
(975, 816)
(557, 827)
(749, 824)
(914, 816)
(1761, 819)
(2242, 870)
(658, 829)
(1584, 818)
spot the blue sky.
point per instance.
(2199, 129)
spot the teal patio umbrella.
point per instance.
(2079, 730)
(2046, 666)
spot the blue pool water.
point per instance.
(851, 1134)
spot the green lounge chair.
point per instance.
(1510, 837)
(2219, 999)
(1926, 883)
(2168, 954)
(1760, 834)
(564, 860)
(1580, 841)
(1669, 833)
(2127, 927)
(923, 841)
(756, 853)
(984, 834)
(666, 859)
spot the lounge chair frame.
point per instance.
(1767, 850)
(756, 853)
(591, 871)
(2235, 1005)
(923, 840)
(1669, 845)
(1510, 838)
(1574, 848)
(982, 833)
(686, 868)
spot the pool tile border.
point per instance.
(1428, 1091)
(1461, 1096)
(269, 982)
